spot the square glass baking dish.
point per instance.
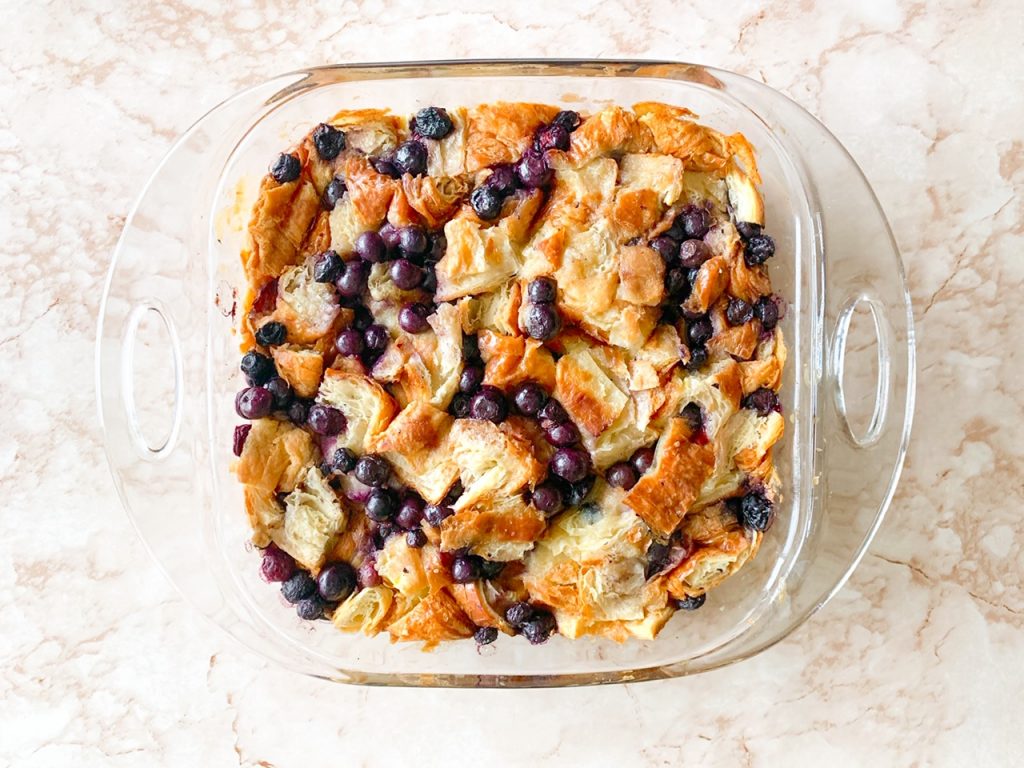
(167, 368)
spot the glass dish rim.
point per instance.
(553, 67)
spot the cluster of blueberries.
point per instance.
(311, 597)
(684, 251)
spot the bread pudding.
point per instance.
(510, 369)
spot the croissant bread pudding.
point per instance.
(510, 369)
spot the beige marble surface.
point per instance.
(917, 661)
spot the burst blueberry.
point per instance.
(756, 511)
(759, 249)
(762, 400)
(767, 311)
(328, 140)
(311, 608)
(485, 635)
(327, 267)
(286, 168)
(738, 312)
(342, 461)
(276, 565)
(257, 368)
(239, 438)
(271, 334)
(553, 136)
(333, 193)
(690, 602)
(532, 170)
(567, 119)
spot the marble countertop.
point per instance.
(916, 661)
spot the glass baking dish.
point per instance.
(167, 368)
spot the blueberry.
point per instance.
(693, 253)
(691, 602)
(488, 404)
(326, 420)
(699, 330)
(412, 240)
(529, 397)
(542, 322)
(271, 334)
(328, 140)
(543, 290)
(438, 246)
(532, 170)
(353, 282)
(578, 491)
(518, 614)
(547, 498)
(336, 581)
(380, 504)
(432, 123)
(361, 318)
(767, 312)
(372, 470)
(756, 511)
(676, 283)
(238, 440)
(666, 247)
(333, 194)
(567, 119)
(327, 267)
(415, 538)
(486, 202)
(759, 249)
(538, 629)
(694, 417)
(485, 635)
(412, 318)
(405, 275)
(411, 158)
(465, 568)
(564, 434)
(459, 406)
(367, 575)
(286, 168)
(471, 379)
(571, 464)
(470, 347)
(553, 411)
(371, 247)
(429, 283)
(491, 569)
(376, 338)
(748, 229)
(350, 342)
(552, 136)
(410, 512)
(695, 222)
(298, 586)
(698, 356)
(503, 180)
(298, 412)
(434, 514)
(276, 565)
(342, 461)
(657, 558)
(254, 403)
(257, 368)
(386, 165)
(642, 460)
(762, 400)
(281, 391)
(621, 475)
(738, 312)
(310, 609)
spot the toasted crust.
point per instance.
(587, 393)
(510, 360)
(496, 527)
(435, 618)
(416, 444)
(280, 220)
(663, 496)
(274, 455)
(501, 132)
(301, 367)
